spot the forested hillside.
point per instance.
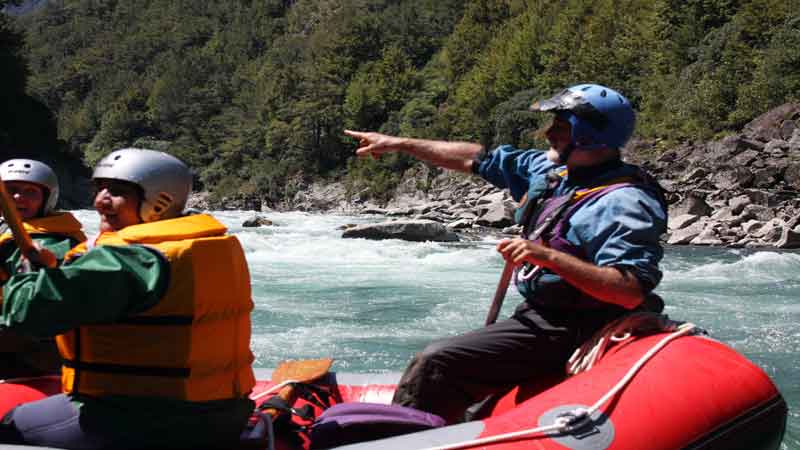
(254, 94)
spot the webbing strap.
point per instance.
(145, 371)
(156, 320)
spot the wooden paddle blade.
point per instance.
(304, 370)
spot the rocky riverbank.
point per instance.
(738, 191)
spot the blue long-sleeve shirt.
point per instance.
(619, 229)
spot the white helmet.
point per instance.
(35, 172)
(164, 180)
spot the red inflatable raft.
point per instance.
(664, 391)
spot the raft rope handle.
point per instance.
(567, 422)
(586, 362)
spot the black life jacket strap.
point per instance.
(156, 320)
(121, 369)
(306, 412)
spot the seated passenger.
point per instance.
(33, 186)
(589, 252)
(152, 318)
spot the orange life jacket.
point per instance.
(194, 344)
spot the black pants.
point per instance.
(451, 374)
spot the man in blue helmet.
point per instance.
(589, 251)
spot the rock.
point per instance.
(766, 177)
(741, 218)
(408, 230)
(794, 141)
(745, 158)
(464, 214)
(324, 196)
(240, 202)
(698, 173)
(787, 129)
(722, 151)
(759, 212)
(685, 235)
(435, 216)
(723, 214)
(513, 229)
(733, 178)
(792, 175)
(394, 212)
(198, 201)
(692, 204)
(376, 211)
(752, 226)
(793, 221)
(776, 148)
(738, 203)
(460, 224)
(707, 237)
(771, 232)
(789, 239)
(256, 221)
(682, 221)
(495, 197)
(497, 215)
(769, 125)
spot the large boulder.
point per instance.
(682, 221)
(497, 215)
(792, 175)
(687, 234)
(693, 204)
(708, 236)
(772, 124)
(407, 230)
(789, 239)
(257, 221)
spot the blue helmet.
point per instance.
(600, 117)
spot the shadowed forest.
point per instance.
(254, 94)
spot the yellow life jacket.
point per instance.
(194, 344)
(58, 224)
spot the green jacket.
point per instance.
(22, 355)
(106, 284)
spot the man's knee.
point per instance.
(436, 351)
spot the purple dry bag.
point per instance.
(347, 423)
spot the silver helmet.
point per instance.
(164, 180)
(35, 172)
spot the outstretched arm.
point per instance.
(449, 155)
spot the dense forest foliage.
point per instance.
(254, 94)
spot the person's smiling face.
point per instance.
(117, 202)
(29, 198)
